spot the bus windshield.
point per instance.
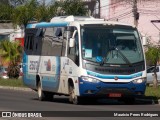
(111, 45)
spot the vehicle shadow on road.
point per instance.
(147, 100)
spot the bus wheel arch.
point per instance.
(72, 96)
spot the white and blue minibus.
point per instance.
(83, 58)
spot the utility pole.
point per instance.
(135, 13)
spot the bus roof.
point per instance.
(63, 21)
(47, 24)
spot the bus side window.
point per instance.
(29, 41)
(51, 44)
(38, 42)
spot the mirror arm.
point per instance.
(74, 33)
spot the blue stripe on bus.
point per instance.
(47, 25)
(113, 76)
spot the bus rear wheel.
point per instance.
(42, 95)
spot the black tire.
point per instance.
(72, 97)
(42, 95)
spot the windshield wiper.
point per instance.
(103, 59)
(124, 57)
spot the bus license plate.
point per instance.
(115, 95)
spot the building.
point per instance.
(8, 32)
(122, 11)
(93, 7)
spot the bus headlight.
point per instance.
(89, 79)
(140, 80)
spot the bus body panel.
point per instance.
(69, 70)
(46, 67)
(29, 70)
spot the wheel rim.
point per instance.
(39, 91)
(73, 97)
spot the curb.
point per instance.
(16, 88)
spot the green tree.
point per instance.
(6, 12)
(153, 57)
(24, 13)
(74, 7)
(11, 53)
(53, 9)
(42, 13)
(4, 2)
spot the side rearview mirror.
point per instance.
(72, 40)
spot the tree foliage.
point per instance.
(153, 57)
(4, 2)
(6, 12)
(11, 53)
(24, 13)
(73, 7)
(21, 12)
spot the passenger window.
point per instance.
(29, 41)
(52, 43)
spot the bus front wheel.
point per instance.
(73, 97)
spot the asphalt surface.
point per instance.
(15, 99)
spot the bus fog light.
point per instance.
(139, 93)
(89, 91)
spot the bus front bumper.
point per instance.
(114, 89)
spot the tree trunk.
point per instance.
(155, 81)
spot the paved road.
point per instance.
(16, 100)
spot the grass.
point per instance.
(12, 82)
(151, 91)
